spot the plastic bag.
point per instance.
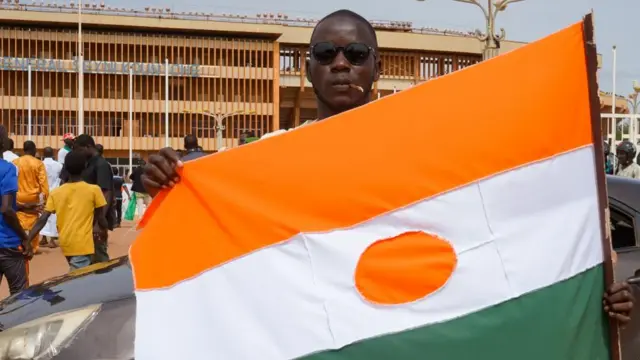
(131, 208)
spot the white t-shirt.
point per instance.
(61, 154)
(9, 156)
(282, 131)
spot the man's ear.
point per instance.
(376, 70)
(308, 71)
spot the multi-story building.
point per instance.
(246, 73)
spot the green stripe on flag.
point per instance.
(564, 321)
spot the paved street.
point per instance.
(52, 263)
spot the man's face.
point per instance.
(622, 157)
(331, 72)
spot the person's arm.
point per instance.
(28, 207)
(38, 226)
(126, 189)
(10, 217)
(49, 209)
(43, 181)
(100, 210)
(105, 182)
(101, 219)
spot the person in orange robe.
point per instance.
(33, 189)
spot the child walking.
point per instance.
(81, 211)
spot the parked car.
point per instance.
(88, 314)
(624, 207)
(60, 317)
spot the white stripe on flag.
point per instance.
(514, 233)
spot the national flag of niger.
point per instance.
(458, 219)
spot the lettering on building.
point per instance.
(98, 67)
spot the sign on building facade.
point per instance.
(98, 67)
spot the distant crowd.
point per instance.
(70, 200)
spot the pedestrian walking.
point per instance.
(53, 168)
(79, 208)
(118, 187)
(342, 67)
(626, 154)
(33, 188)
(98, 172)
(15, 249)
(143, 200)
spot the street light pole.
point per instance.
(219, 121)
(614, 126)
(219, 118)
(80, 73)
(490, 38)
(634, 106)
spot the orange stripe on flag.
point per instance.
(528, 105)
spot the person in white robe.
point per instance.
(53, 168)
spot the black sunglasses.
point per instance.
(355, 53)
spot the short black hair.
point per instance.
(9, 143)
(75, 162)
(47, 152)
(353, 16)
(84, 140)
(115, 171)
(190, 142)
(29, 146)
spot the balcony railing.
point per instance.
(148, 134)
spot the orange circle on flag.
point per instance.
(404, 268)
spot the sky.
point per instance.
(527, 20)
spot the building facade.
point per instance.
(159, 75)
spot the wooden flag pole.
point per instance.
(592, 68)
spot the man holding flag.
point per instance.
(343, 66)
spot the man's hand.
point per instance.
(161, 171)
(618, 302)
(31, 208)
(27, 250)
(98, 230)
